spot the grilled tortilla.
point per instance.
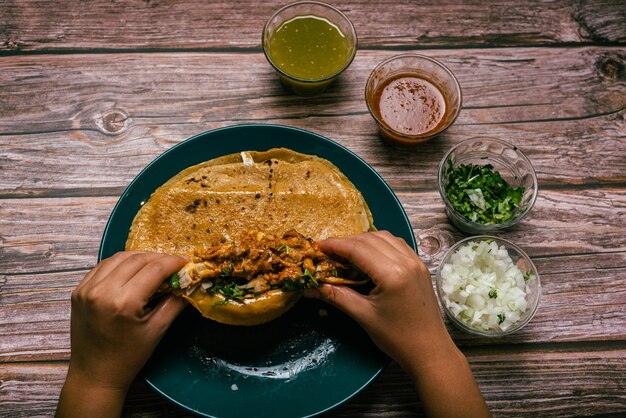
(273, 191)
(221, 200)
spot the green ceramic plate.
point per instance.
(306, 362)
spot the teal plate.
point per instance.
(306, 362)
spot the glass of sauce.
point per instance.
(412, 98)
(309, 44)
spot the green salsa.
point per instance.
(309, 48)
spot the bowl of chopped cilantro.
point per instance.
(487, 185)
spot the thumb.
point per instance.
(165, 312)
(346, 299)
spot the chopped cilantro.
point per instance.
(493, 293)
(305, 281)
(527, 276)
(309, 279)
(229, 290)
(175, 281)
(500, 318)
(481, 194)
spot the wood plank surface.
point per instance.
(582, 300)
(91, 92)
(63, 234)
(39, 25)
(94, 121)
(515, 382)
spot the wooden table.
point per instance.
(90, 92)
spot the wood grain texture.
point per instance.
(515, 381)
(63, 234)
(91, 92)
(582, 300)
(70, 126)
(38, 25)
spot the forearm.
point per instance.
(80, 398)
(446, 385)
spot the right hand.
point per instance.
(402, 317)
(401, 314)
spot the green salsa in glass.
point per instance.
(309, 48)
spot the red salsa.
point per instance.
(410, 105)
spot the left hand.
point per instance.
(113, 333)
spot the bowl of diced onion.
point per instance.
(488, 286)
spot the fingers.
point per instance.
(397, 242)
(149, 276)
(127, 279)
(370, 252)
(348, 300)
(165, 312)
(125, 271)
(104, 267)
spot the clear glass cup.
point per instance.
(301, 86)
(514, 167)
(422, 67)
(521, 260)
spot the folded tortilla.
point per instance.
(273, 191)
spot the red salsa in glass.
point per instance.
(410, 105)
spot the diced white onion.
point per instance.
(477, 198)
(247, 159)
(190, 290)
(475, 270)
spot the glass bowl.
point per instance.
(506, 159)
(519, 258)
(390, 82)
(301, 85)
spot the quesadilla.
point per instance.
(219, 202)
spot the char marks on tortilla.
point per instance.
(221, 199)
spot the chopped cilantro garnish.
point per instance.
(305, 281)
(493, 293)
(309, 279)
(481, 194)
(527, 276)
(175, 281)
(500, 318)
(229, 290)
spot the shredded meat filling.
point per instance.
(260, 262)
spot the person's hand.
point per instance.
(113, 332)
(401, 313)
(402, 317)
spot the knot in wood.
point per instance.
(612, 66)
(429, 245)
(11, 44)
(113, 122)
